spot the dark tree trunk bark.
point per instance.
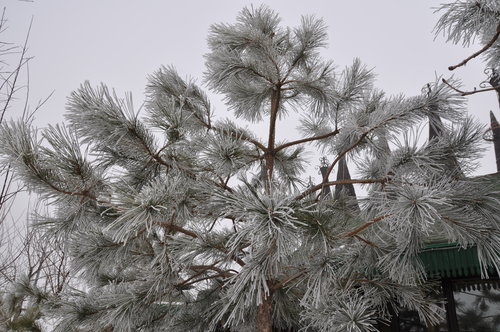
(264, 319)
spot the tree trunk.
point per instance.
(264, 321)
(270, 153)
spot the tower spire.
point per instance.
(343, 174)
(495, 129)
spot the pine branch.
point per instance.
(359, 141)
(200, 270)
(365, 225)
(370, 243)
(156, 156)
(185, 284)
(83, 194)
(288, 279)
(305, 140)
(212, 267)
(240, 136)
(235, 258)
(482, 50)
(175, 228)
(335, 183)
(255, 72)
(343, 153)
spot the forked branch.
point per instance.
(305, 140)
(466, 93)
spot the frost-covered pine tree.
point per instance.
(176, 221)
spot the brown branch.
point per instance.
(176, 228)
(449, 219)
(305, 140)
(235, 258)
(287, 280)
(83, 194)
(334, 183)
(161, 161)
(184, 284)
(343, 153)
(199, 273)
(242, 137)
(255, 72)
(368, 242)
(212, 267)
(365, 225)
(353, 146)
(487, 46)
(370, 281)
(466, 93)
(233, 134)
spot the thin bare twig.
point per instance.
(466, 93)
(487, 46)
(22, 60)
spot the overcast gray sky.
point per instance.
(119, 43)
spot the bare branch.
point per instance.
(487, 46)
(466, 93)
(22, 62)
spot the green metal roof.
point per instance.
(447, 260)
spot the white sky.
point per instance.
(121, 42)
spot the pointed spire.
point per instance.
(345, 193)
(495, 129)
(343, 174)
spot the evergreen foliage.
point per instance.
(176, 221)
